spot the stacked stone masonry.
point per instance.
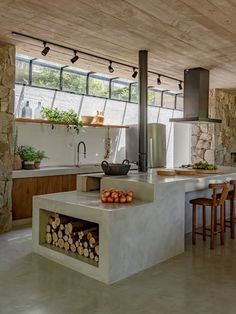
(216, 143)
(7, 85)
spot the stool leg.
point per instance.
(216, 208)
(212, 243)
(204, 222)
(232, 218)
(194, 225)
(222, 224)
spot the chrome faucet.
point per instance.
(78, 152)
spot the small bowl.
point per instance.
(87, 119)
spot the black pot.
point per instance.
(115, 169)
(28, 165)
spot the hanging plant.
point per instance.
(69, 117)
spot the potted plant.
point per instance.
(16, 160)
(40, 154)
(28, 155)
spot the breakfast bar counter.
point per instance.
(134, 236)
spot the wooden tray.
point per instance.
(202, 171)
(184, 172)
(166, 172)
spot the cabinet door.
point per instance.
(69, 182)
(24, 190)
(47, 185)
(22, 194)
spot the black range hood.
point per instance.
(196, 97)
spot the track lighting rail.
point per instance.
(46, 45)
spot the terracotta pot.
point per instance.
(37, 164)
(16, 162)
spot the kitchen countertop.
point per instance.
(59, 170)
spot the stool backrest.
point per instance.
(233, 182)
(224, 187)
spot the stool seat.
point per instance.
(202, 201)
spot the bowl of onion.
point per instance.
(116, 196)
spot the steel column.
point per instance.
(143, 93)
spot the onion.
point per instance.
(114, 195)
(129, 199)
(122, 199)
(107, 193)
(103, 199)
(110, 199)
(130, 193)
(116, 200)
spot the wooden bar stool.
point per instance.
(218, 199)
(231, 197)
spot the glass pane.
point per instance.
(151, 97)
(180, 102)
(119, 91)
(45, 77)
(134, 93)
(74, 82)
(168, 101)
(98, 87)
(22, 72)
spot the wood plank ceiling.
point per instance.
(178, 34)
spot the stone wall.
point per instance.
(214, 142)
(7, 83)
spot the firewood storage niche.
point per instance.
(71, 236)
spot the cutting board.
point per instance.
(166, 172)
(202, 171)
(184, 172)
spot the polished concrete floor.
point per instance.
(198, 281)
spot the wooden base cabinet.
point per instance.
(25, 188)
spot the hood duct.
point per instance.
(196, 97)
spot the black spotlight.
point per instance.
(75, 58)
(180, 85)
(135, 73)
(45, 50)
(110, 68)
(159, 80)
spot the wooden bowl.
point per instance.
(87, 119)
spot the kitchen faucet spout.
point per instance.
(78, 151)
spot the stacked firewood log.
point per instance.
(75, 235)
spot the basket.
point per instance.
(115, 169)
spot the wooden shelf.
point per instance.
(41, 121)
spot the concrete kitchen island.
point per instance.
(132, 237)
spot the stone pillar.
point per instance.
(216, 142)
(7, 85)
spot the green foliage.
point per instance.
(52, 114)
(40, 154)
(204, 165)
(69, 117)
(44, 76)
(74, 82)
(98, 87)
(27, 153)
